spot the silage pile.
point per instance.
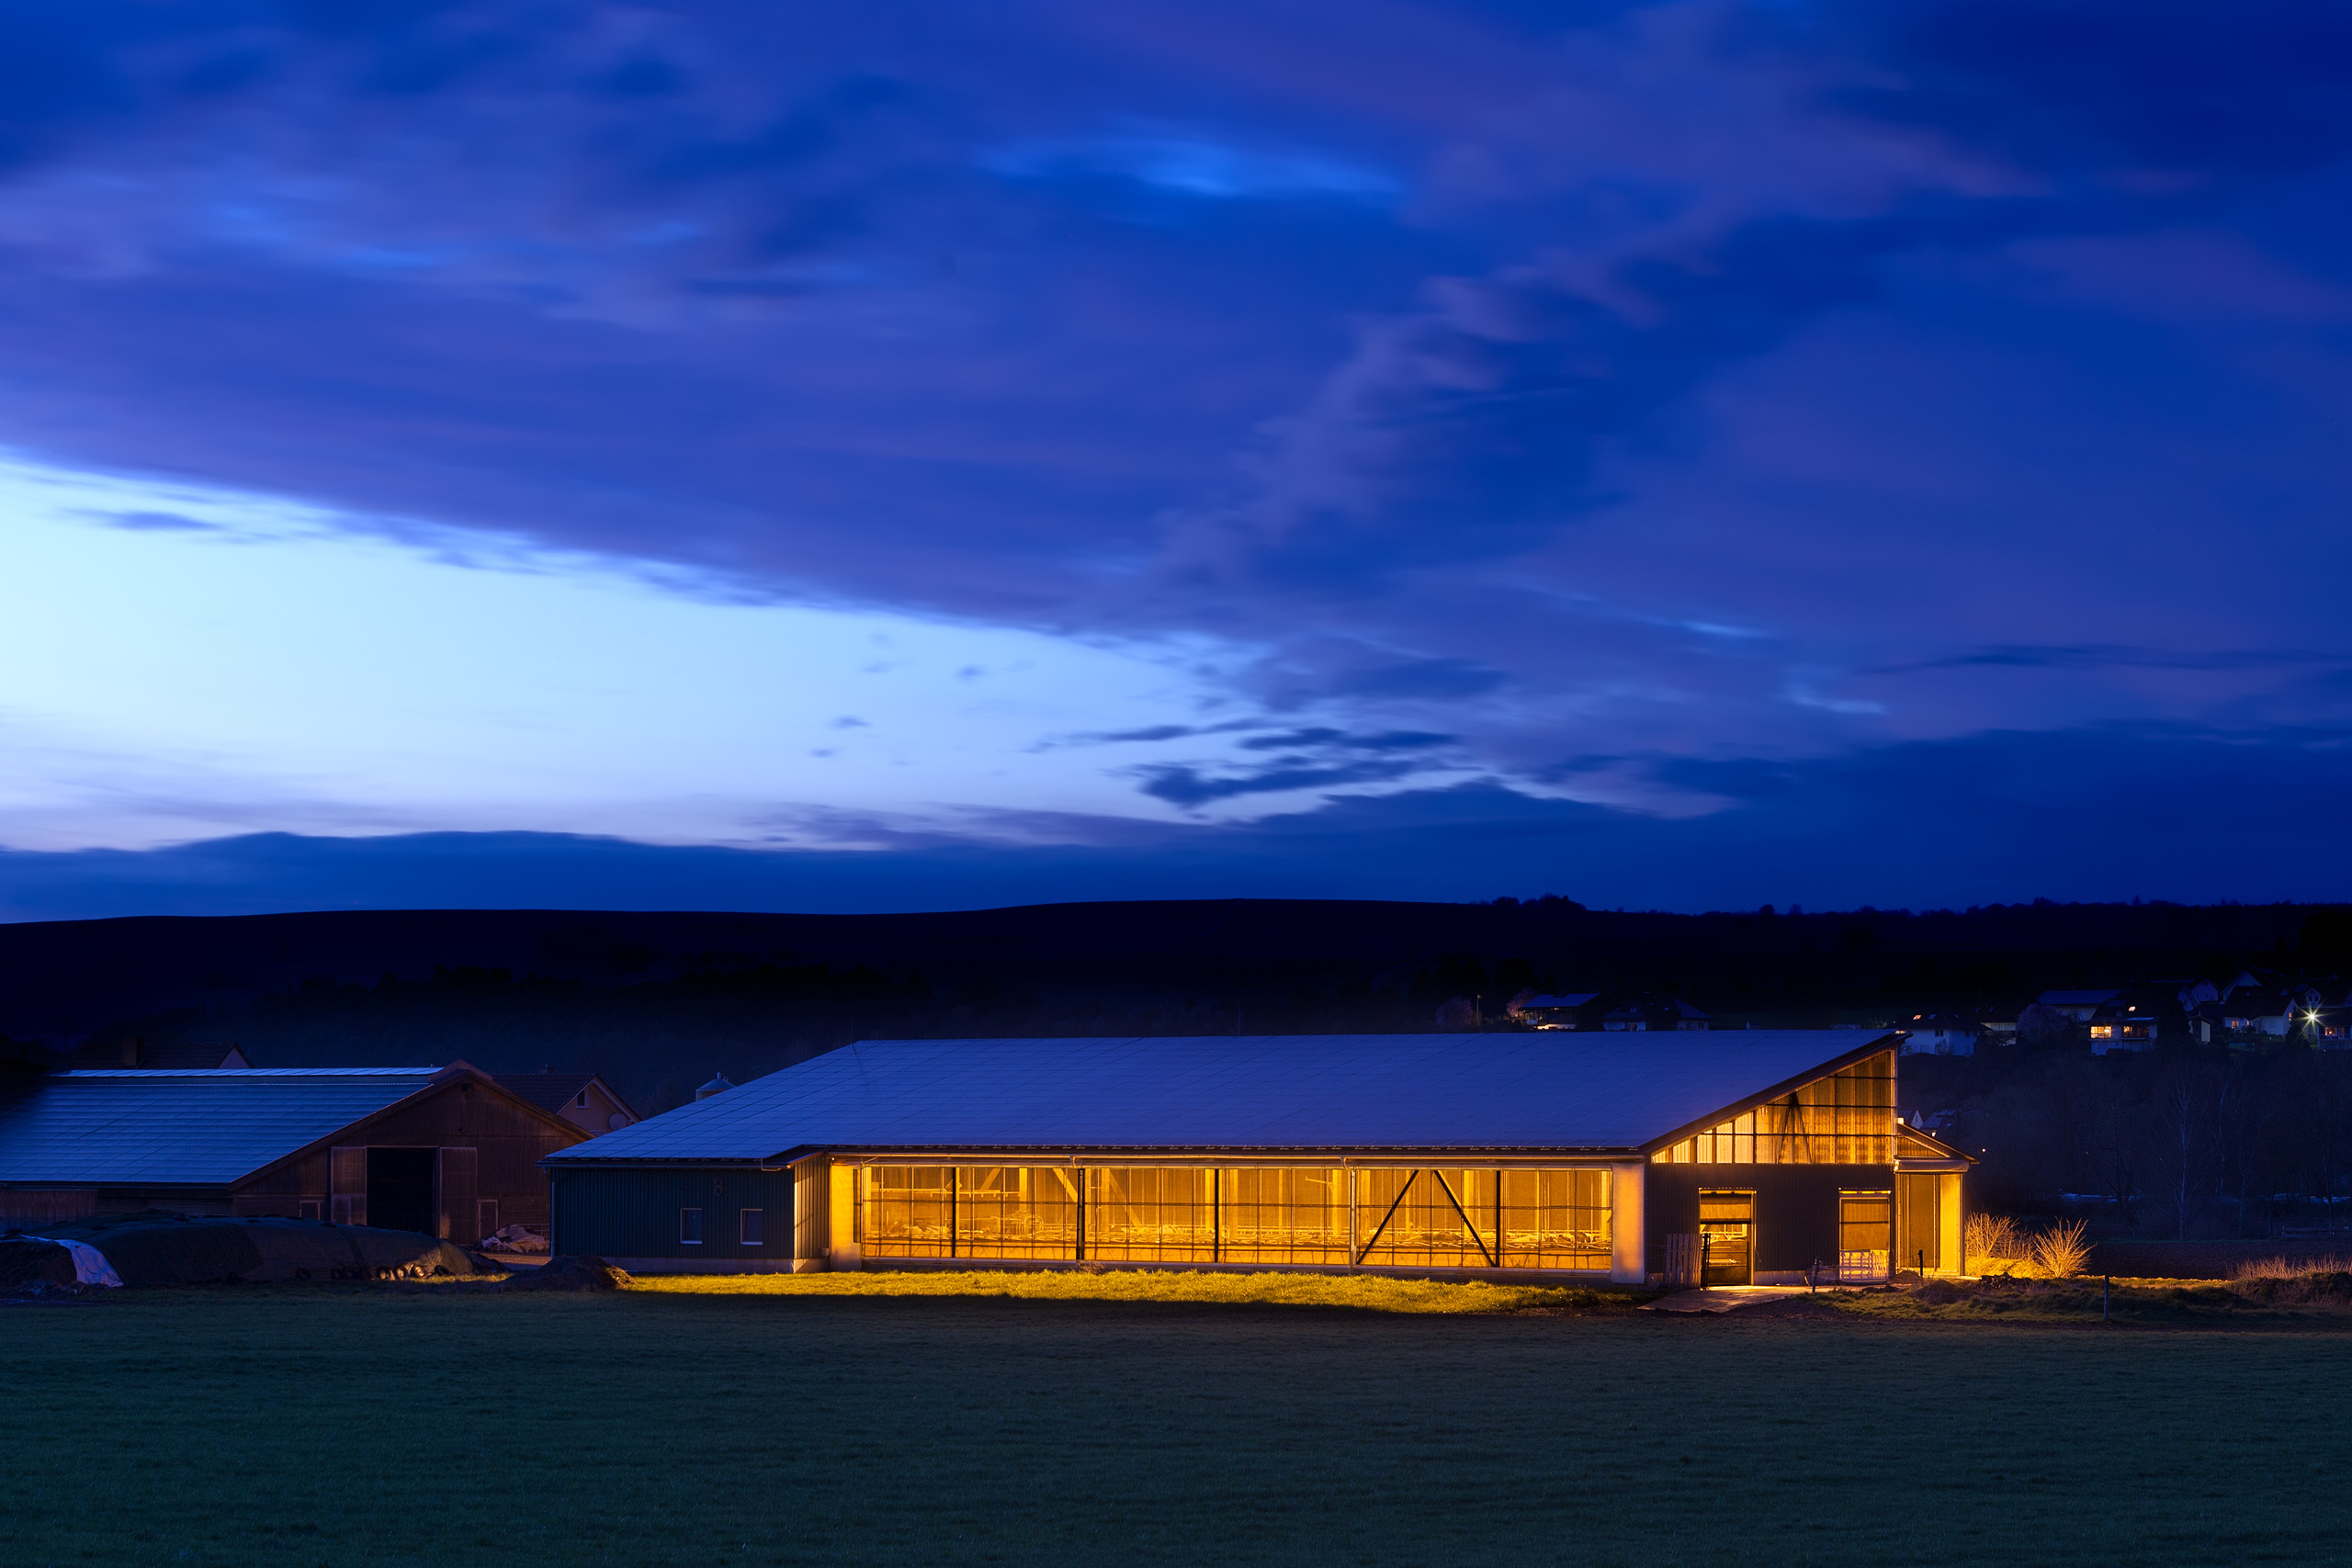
(157, 1249)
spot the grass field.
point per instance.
(347, 1425)
(1362, 1292)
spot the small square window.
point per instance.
(690, 1227)
(749, 1226)
(309, 1208)
(583, 1100)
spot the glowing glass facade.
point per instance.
(1457, 1217)
(1847, 1118)
(1470, 1218)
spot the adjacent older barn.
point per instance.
(1739, 1156)
(445, 1151)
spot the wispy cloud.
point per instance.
(153, 522)
(2113, 656)
(1195, 166)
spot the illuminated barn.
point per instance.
(1754, 1155)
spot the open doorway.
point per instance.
(1865, 1237)
(1728, 1236)
(399, 1190)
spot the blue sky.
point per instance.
(1681, 456)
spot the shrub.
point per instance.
(1992, 1238)
(2290, 1269)
(2312, 1281)
(2061, 1250)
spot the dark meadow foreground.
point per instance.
(349, 1424)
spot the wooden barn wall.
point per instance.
(510, 1138)
(203, 1202)
(36, 1205)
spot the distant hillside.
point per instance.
(659, 1001)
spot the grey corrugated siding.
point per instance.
(1549, 1091)
(633, 1213)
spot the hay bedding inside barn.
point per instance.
(321, 1424)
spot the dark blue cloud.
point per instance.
(1427, 680)
(1704, 393)
(1393, 740)
(1185, 786)
(2089, 815)
(2103, 84)
(1475, 432)
(2105, 656)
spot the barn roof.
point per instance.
(195, 1128)
(1547, 1091)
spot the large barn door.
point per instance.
(347, 1184)
(810, 1179)
(457, 1185)
(1728, 1236)
(1865, 1236)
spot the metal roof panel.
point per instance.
(134, 1126)
(1360, 1092)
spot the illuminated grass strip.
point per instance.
(1359, 1292)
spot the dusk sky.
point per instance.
(899, 455)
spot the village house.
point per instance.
(1941, 1034)
(2195, 993)
(1572, 1010)
(2121, 1025)
(1656, 1014)
(1740, 1157)
(584, 1099)
(2077, 1005)
(2244, 1015)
